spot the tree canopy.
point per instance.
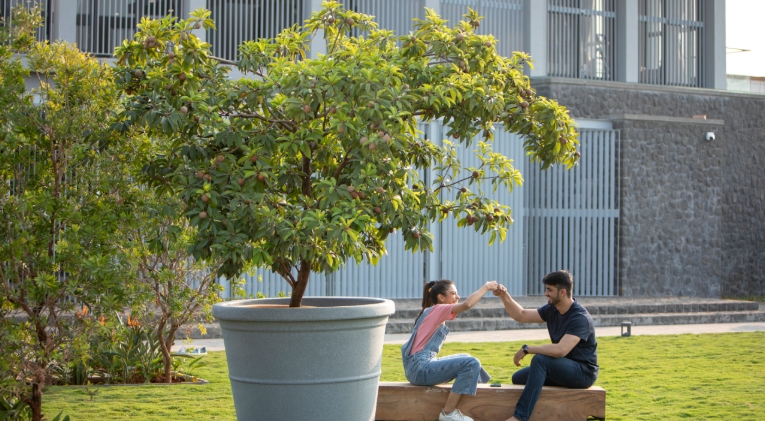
(306, 163)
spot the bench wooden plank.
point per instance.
(399, 401)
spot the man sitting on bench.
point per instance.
(571, 360)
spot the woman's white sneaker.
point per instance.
(454, 416)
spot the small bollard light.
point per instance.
(628, 325)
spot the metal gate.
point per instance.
(464, 255)
(572, 218)
(564, 219)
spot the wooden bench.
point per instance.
(397, 401)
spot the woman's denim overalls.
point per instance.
(424, 369)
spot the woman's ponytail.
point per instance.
(426, 300)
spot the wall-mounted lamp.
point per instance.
(710, 136)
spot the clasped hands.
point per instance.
(497, 288)
(500, 290)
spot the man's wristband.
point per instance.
(525, 349)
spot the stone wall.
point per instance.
(692, 212)
(671, 209)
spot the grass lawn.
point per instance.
(698, 377)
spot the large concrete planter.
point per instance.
(317, 362)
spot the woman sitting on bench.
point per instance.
(440, 302)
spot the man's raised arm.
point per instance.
(518, 313)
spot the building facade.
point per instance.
(669, 199)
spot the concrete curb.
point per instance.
(540, 334)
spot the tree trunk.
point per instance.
(165, 344)
(301, 284)
(35, 403)
(166, 353)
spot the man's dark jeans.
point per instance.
(547, 371)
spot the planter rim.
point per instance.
(322, 309)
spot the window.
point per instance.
(245, 20)
(501, 18)
(102, 25)
(44, 32)
(671, 42)
(581, 39)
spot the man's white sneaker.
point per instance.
(454, 416)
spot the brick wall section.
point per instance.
(692, 212)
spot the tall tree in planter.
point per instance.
(307, 163)
(59, 202)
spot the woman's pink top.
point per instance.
(438, 314)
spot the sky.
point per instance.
(745, 29)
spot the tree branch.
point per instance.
(289, 124)
(286, 274)
(460, 181)
(224, 61)
(346, 160)
(307, 191)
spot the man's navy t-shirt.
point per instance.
(578, 322)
